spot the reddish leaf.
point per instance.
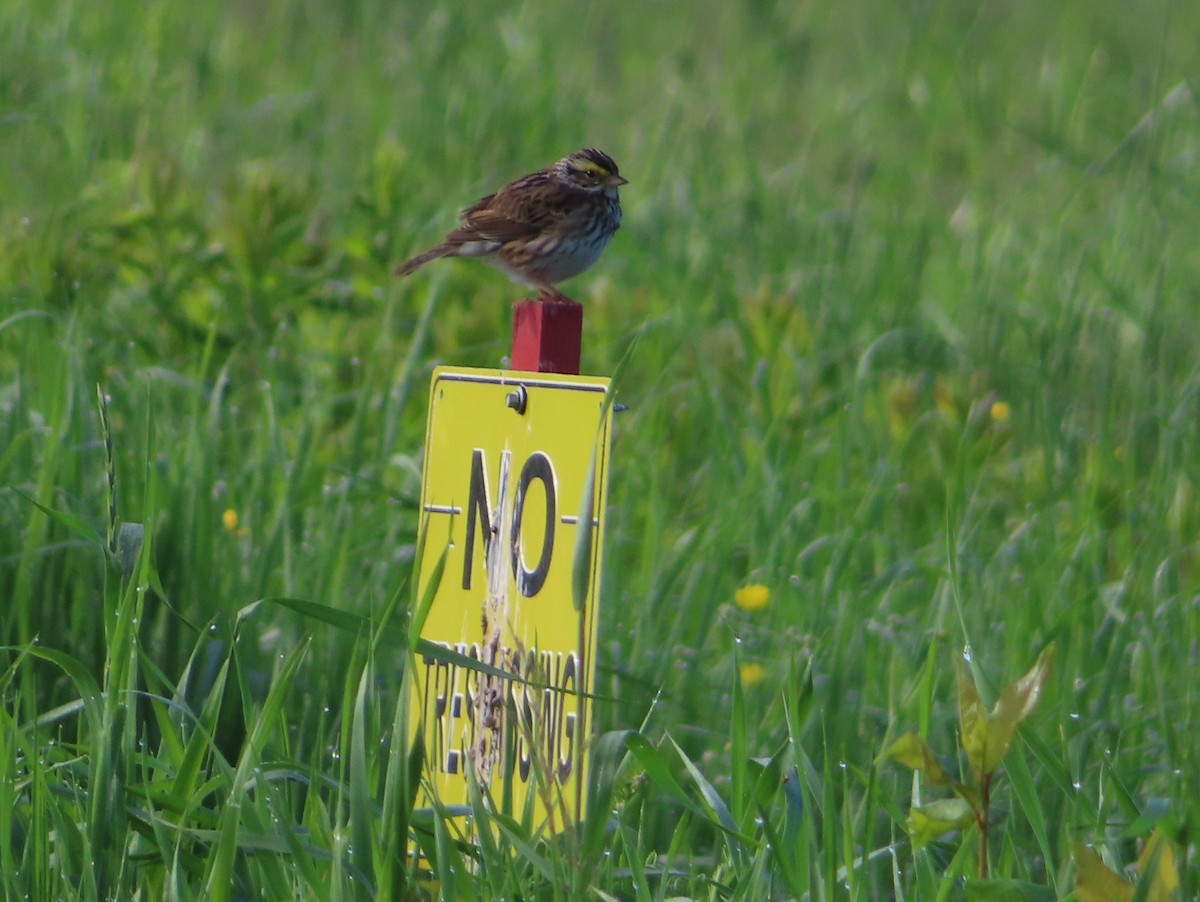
(987, 737)
(1016, 702)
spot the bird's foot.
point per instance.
(553, 296)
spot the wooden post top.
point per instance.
(547, 336)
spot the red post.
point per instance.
(547, 336)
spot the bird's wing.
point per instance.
(494, 225)
(519, 210)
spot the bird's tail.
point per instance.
(421, 259)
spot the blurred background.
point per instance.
(908, 293)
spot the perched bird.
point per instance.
(543, 228)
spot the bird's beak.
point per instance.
(615, 181)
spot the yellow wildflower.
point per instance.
(903, 397)
(753, 598)
(751, 675)
(945, 398)
(229, 520)
(1001, 411)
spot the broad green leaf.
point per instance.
(530, 853)
(739, 802)
(911, 751)
(717, 809)
(90, 695)
(606, 758)
(658, 771)
(75, 524)
(928, 822)
(220, 883)
(1021, 780)
(390, 636)
(581, 557)
(361, 815)
(1095, 881)
(767, 774)
(653, 763)
(425, 603)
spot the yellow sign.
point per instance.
(503, 493)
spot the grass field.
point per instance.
(908, 295)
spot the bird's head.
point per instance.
(592, 170)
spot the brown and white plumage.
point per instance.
(544, 227)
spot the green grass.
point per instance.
(910, 291)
